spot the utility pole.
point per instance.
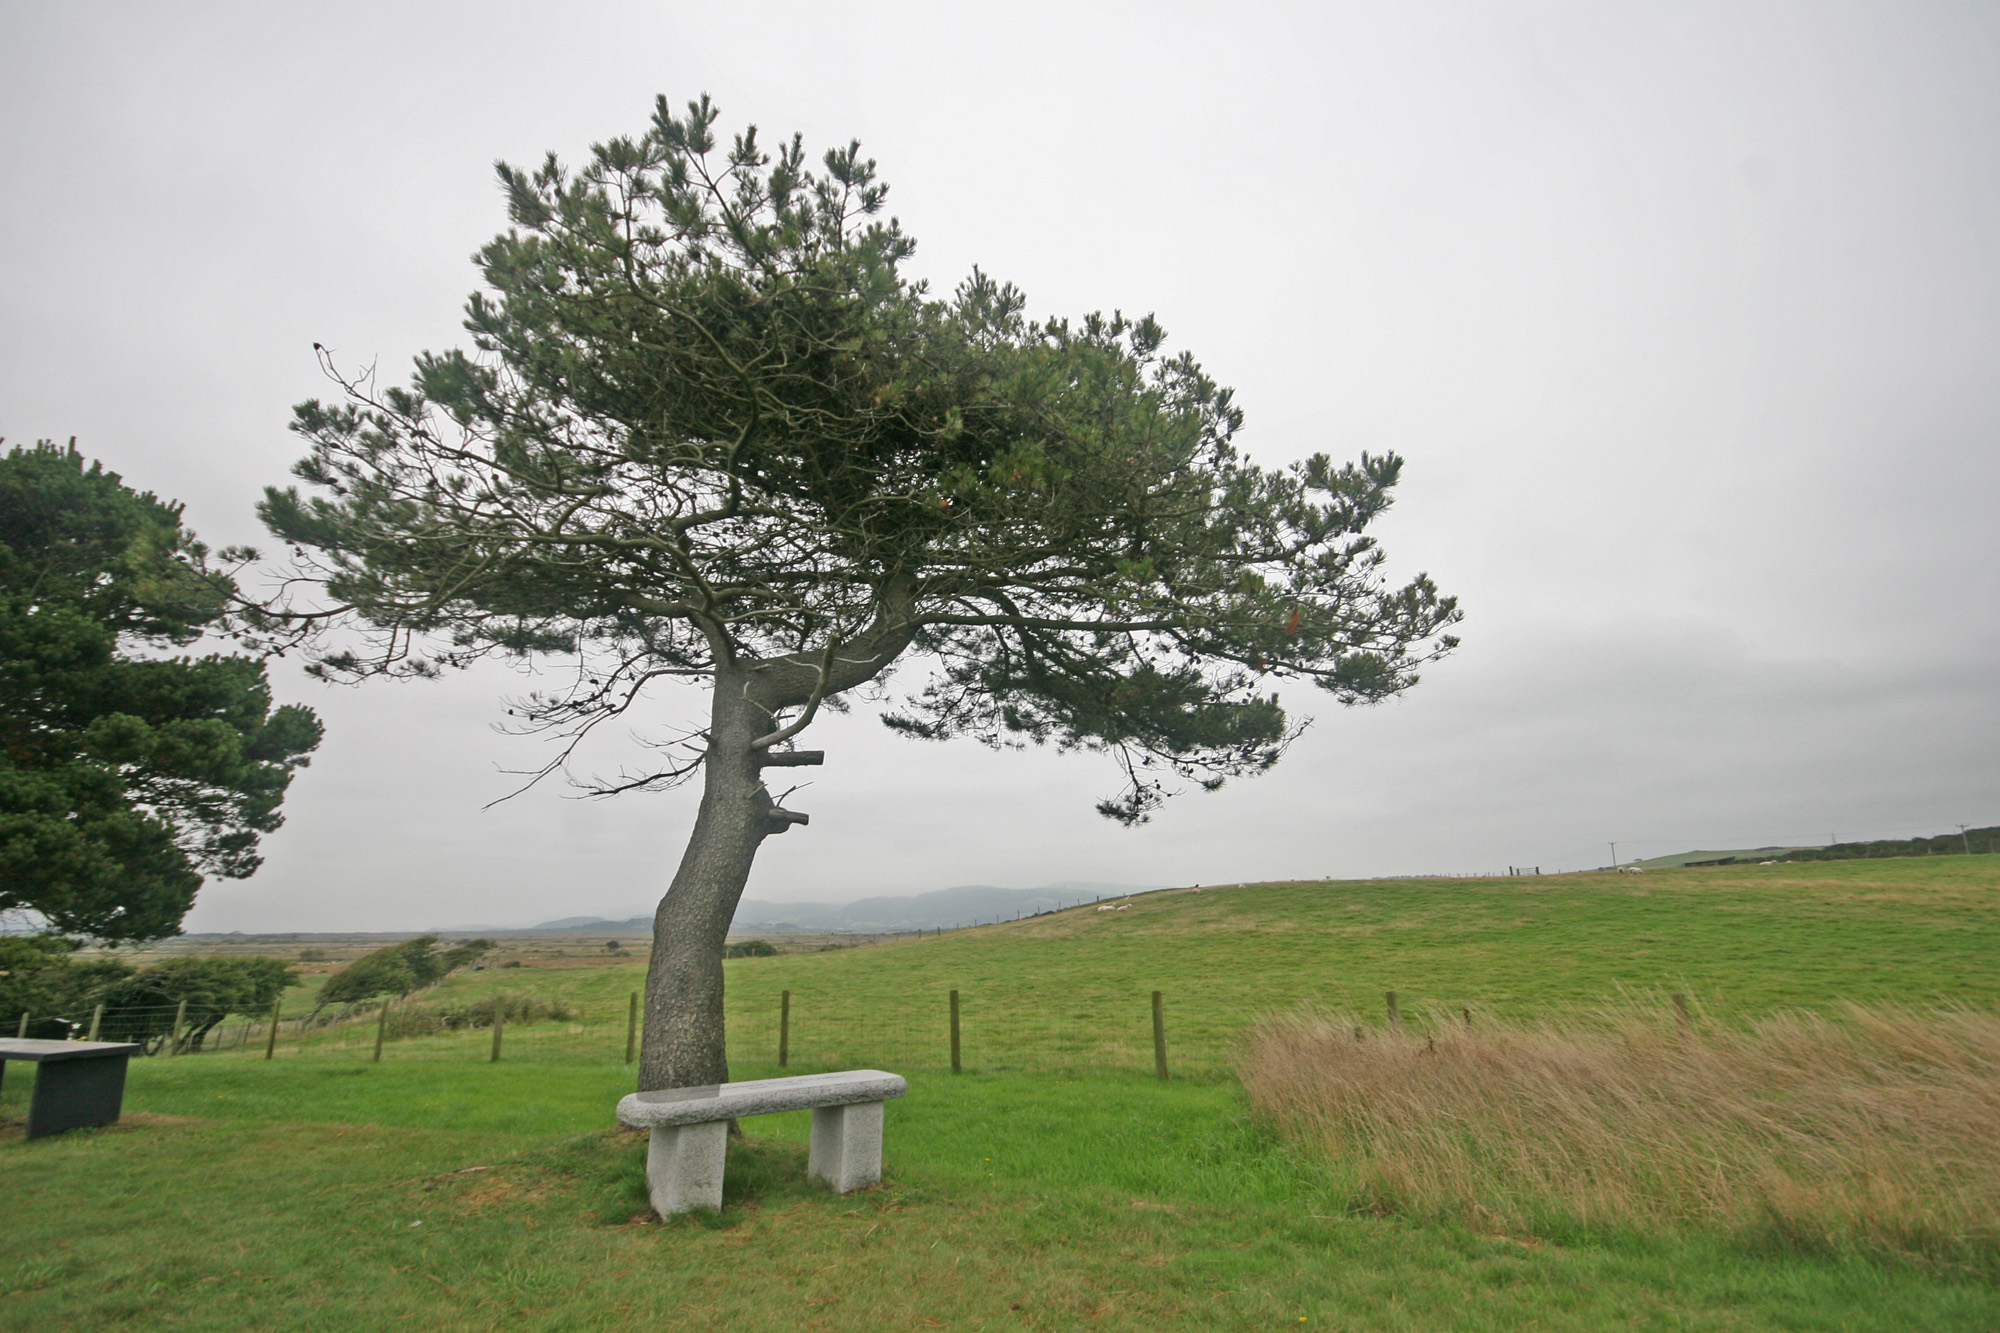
(1614, 856)
(1965, 838)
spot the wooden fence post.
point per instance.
(271, 1042)
(784, 1029)
(1683, 1020)
(1395, 1013)
(499, 1022)
(180, 1017)
(1159, 1034)
(954, 1032)
(632, 1029)
(96, 1022)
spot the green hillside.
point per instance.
(322, 1191)
(1071, 990)
(1742, 940)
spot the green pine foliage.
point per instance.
(126, 774)
(709, 425)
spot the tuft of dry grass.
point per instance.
(1877, 1129)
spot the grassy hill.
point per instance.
(1071, 990)
(1049, 1188)
(1742, 940)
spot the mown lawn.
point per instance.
(312, 1196)
(330, 1193)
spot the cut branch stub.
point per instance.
(777, 820)
(791, 758)
(771, 818)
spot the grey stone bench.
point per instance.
(81, 1083)
(690, 1131)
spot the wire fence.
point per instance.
(804, 1032)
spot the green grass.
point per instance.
(1743, 940)
(244, 1194)
(1071, 990)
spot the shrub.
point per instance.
(38, 977)
(398, 969)
(425, 1020)
(750, 949)
(141, 1006)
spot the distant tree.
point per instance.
(751, 949)
(613, 946)
(126, 775)
(39, 975)
(398, 969)
(141, 1007)
(711, 431)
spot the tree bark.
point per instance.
(684, 1044)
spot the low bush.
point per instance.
(425, 1020)
(1878, 1131)
(398, 969)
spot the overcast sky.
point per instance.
(1686, 317)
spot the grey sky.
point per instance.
(1686, 316)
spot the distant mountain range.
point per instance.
(965, 905)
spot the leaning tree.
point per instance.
(711, 431)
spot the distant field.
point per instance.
(1742, 940)
(1071, 990)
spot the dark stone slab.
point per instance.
(81, 1083)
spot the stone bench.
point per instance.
(81, 1083)
(690, 1131)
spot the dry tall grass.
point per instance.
(1878, 1129)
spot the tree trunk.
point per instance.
(684, 1043)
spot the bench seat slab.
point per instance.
(690, 1131)
(727, 1101)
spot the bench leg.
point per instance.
(684, 1167)
(74, 1094)
(846, 1146)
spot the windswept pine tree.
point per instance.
(708, 429)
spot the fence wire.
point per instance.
(806, 1032)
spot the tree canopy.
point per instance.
(126, 775)
(142, 1007)
(39, 978)
(398, 969)
(709, 428)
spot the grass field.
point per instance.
(1741, 940)
(333, 1193)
